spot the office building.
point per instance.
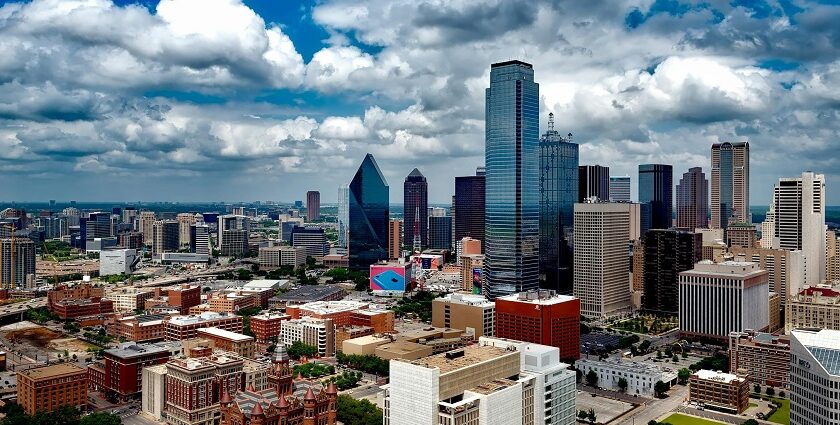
(146, 224)
(200, 239)
(799, 221)
(641, 377)
(415, 210)
(440, 232)
(693, 200)
(17, 263)
(307, 294)
(183, 297)
(716, 299)
(765, 357)
(469, 203)
(656, 188)
(832, 256)
(319, 333)
(117, 261)
(511, 157)
(130, 298)
(472, 273)
(273, 257)
(234, 231)
(52, 226)
(619, 188)
(558, 194)
(466, 246)
(814, 377)
(231, 302)
(185, 221)
(45, 389)
(368, 216)
(184, 327)
(541, 317)
(130, 240)
(786, 268)
(154, 391)
(813, 308)
(741, 235)
(242, 345)
(313, 205)
(120, 372)
(472, 313)
(314, 239)
(593, 182)
(165, 236)
(730, 184)
(602, 232)
(195, 386)
(96, 225)
(667, 253)
(394, 238)
(494, 382)
(78, 301)
(266, 326)
(139, 328)
(343, 216)
(719, 391)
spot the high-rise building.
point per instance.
(313, 205)
(472, 313)
(233, 235)
(786, 268)
(440, 232)
(741, 235)
(602, 232)
(558, 194)
(165, 236)
(730, 184)
(799, 221)
(17, 263)
(541, 317)
(716, 299)
(45, 389)
(667, 253)
(200, 239)
(620, 188)
(147, 221)
(693, 199)
(593, 182)
(814, 377)
(343, 215)
(469, 203)
(394, 238)
(511, 157)
(656, 188)
(313, 239)
(185, 220)
(415, 213)
(368, 216)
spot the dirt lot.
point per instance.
(45, 341)
(36, 336)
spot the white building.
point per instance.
(814, 377)
(276, 256)
(641, 377)
(130, 299)
(718, 298)
(319, 333)
(154, 391)
(117, 261)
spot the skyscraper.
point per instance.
(367, 216)
(415, 213)
(656, 188)
(730, 184)
(165, 235)
(620, 188)
(440, 232)
(799, 222)
(313, 205)
(469, 205)
(185, 220)
(394, 236)
(693, 199)
(558, 194)
(511, 156)
(667, 253)
(593, 180)
(343, 215)
(17, 263)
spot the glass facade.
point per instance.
(593, 181)
(416, 209)
(469, 207)
(343, 215)
(512, 180)
(657, 189)
(440, 232)
(368, 216)
(558, 194)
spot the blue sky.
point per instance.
(224, 100)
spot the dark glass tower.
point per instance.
(440, 232)
(656, 187)
(558, 194)
(593, 180)
(416, 209)
(667, 253)
(511, 157)
(469, 206)
(693, 199)
(368, 216)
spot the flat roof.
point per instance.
(53, 371)
(511, 62)
(368, 339)
(329, 307)
(203, 317)
(713, 375)
(265, 283)
(233, 336)
(309, 293)
(547, 300)
(473, 354)
(132, 349)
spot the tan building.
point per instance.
(404, 350)
(467, 246)
(765, 357)
(774, 322)
(185, 220)
(638, 274)
(147, 221)
(814, 308)
(785, 268)
(182, 327)
(394, 238)
(231, 302)
(363, 346)
(832, 256)
(240, 344)
(273, 257)
(47, 388)
(473, 313)
(344, 333)
(472, 266)
(130, 299)
(719, 391)
(742, 235)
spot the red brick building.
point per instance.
(382, 321)
(47, 388)
(144, 328)
(194, 387)
(120, 372)
(77, 301)
(541, 317)
(184, 297)
(184, 327)
(266, 327)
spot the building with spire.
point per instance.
(367, 216)
(416, 211)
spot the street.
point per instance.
(655, 408)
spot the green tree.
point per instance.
(660, 388)
(683, 375)
(622, 384)
(757, 389)
(591, 416)
(298, 349)
(592, 378)
(644, 345)
(582, 415)
(770, 391)
(101, 418)
(750, 422)
(357, 412)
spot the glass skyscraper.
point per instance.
(469, 206)
(656, 187)
(415, 209)
(512, 197)
(368, 216)
(343, 215)
(558, 194)
(730, 184)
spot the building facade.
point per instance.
(368, 216)
(469, 203)
(730, 184)
(765, 357)
(667, 253)
(472, 313)
(656, 188)
(541, 317)
(719, 391)
(619, 188)
(813, 308)
(17, 263)
(416, 210)
(693, 199)
(814, 377)
(440, 232)
(641, 377)
(313, 205)
(593, 182)
(47, 388)
(394, 238)
(165, 236)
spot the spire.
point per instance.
(225, 398)
(310, 396)
(331, 388)
(257, 410)
(416, 173)
(251, 388)
(283, 403)
(551, 122)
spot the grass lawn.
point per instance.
(679, 419)
(782, 415)
(753, 405)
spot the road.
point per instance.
(653, 409)
(364, 392)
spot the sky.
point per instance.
(230, 100)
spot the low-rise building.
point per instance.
(44, 389)
(273, 257)
(194, 388)
(343, 333)
(473, 313)
(154, 391)
(238, 343)
(130, 299)
(765, 357)
(719, 391)
(641, 377)
(363, 345)
(184, 327)
(813, 308)
(266, 326)
(307, 294)
(123, 368)
(231, 302)
(319, 333)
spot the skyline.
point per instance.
(282, 92)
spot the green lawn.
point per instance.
(679, 419)
(782, 415)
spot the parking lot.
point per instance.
(605, 409)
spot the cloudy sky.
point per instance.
(207, 100)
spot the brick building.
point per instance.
(47, 388)
(343, 333)
(231, 302)
(78, 301)
(238, 343)
(719, 391)
(121, 371)
(765, 357)
(140, 328)
(541, 317)
(183, 327)
(194, 388)
(266, 327)
(184, 297)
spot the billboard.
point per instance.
(428, 261)
(388, 278)
(476, 282)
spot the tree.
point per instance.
(645, 345)
(357, 412)
(298, 349)
(101, 418)
(757, 389)
(622, 384)
(582, 415)
(675, 359)
(591, 416)
(683, 375)
(750, 422)
(782, 394)
(770, 391)
(592, 378)
(660, 388)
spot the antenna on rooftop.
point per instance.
(551, 122)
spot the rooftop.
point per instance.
(266, 283)
(541, 297)
(712, 375)
(221, 333)
(493, 386)
(468, 299)
(824, 345)
(628, 366)
(472, 356)
(203, 317)
(330, 307)
(132, 349)
(52, 371)
(310, 293)
(368, 339)
(740, 269)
